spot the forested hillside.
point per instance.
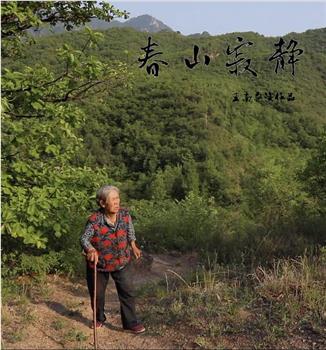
(181, 132)
(243, 181)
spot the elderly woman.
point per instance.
(108, 236)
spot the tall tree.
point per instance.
(42, 190)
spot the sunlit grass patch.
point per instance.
(266, 304)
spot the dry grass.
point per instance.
(299, 284)
(268, 306)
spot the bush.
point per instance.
(196, 223)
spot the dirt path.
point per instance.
(61, 318)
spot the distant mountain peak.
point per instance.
(143, 23)
(146, 23)
(144, 17)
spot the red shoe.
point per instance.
(98, 324)
(139, 328)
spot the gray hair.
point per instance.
(103, 192)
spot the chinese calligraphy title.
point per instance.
(239, 62)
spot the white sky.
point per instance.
(217, 17)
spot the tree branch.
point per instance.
(25, 115)
(88, 85)
(36, 87)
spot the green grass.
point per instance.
(58, 324)
(75, 335)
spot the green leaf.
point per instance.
(71, 58)
(57, 229)
(37, 105)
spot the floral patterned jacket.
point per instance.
(110, 241)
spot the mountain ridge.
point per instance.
(142, 23)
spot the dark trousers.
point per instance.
(125, 289)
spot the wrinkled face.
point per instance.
(112, 203)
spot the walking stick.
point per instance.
(94, 306)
